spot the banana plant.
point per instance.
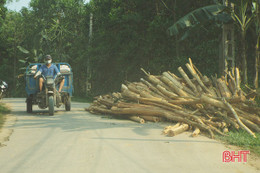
(31, 57)
(198, 18)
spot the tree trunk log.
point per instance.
(137, 119)
(187, 79)
(237, 118)
(178, 130)
(196, 132)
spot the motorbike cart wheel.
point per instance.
(68, 104)
(29, 105)
(51, 105)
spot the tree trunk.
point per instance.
(257, 62)
(14, 64)
(244, 61)
(257, 56)
(176, 37)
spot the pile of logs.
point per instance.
(193, 101)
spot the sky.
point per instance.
(17, 6)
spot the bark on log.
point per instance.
(174, 87)
(155, 80)
(228, 120)
(187, 79)
(174, 76)
(167, 93)
(216, 88)
(177, 83)
(250, 124)
(106, 102)
(195, 75)
(223, 88)
(149, 85)
(185, 101)
(151, 118)
(237, 118)
(213, 102)
(248, 116)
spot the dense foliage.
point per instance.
(127, 35)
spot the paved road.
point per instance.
(78, 142)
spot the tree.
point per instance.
(257, 47)
(12, 33)
(243, 20)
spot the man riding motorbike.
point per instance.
(49, 69)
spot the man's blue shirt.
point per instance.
(51, 71)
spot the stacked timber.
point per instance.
(192, 100)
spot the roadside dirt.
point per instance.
(7, 129)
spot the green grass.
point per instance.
(82, 99)
(242, 139)
(3, 110)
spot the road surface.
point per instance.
(79, 142)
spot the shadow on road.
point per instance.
(79, 120)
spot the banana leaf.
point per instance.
(23, 50)
(197, 18)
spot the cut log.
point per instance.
(185, 101)
(238, 81)
(250, 124)
(168, 128)
(228, 120)
(213, 102)
(107, 102)
(223, 88)
(177, 83)
(187, 79)
(152, 118)
(237, 118)
(174, 76)
(216, 88)
(249, 116)
(117, 95)
(204, 104)
(155, 80)
(178, 130)
(149, 85)
(225, 130)
(174, 87)
(137, 119)
(167, 93)
(195, 75)
(196, 132)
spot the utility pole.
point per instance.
(88, 83)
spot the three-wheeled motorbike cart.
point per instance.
(49, 97)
